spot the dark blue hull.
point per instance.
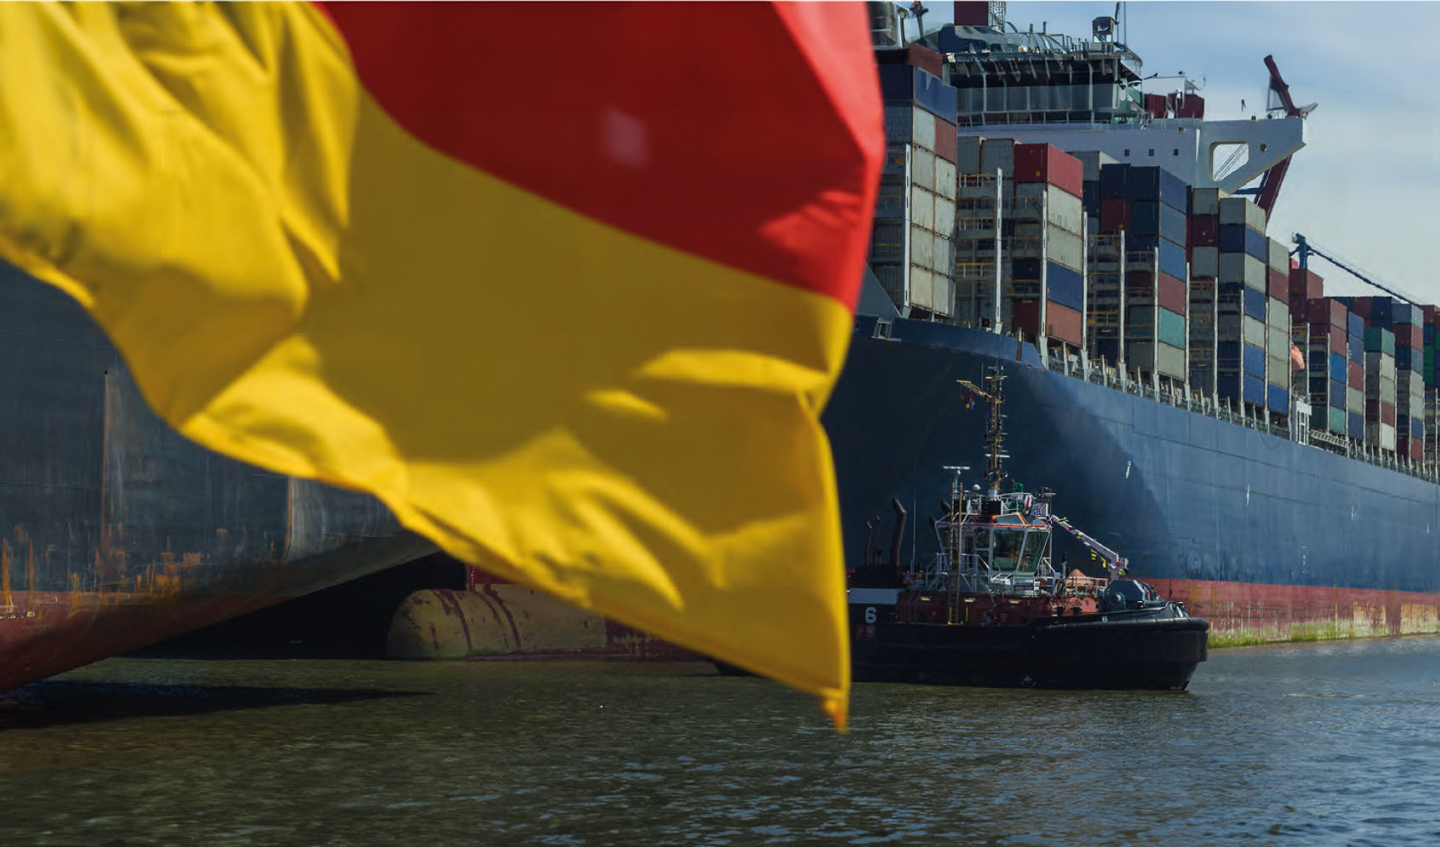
(1259, 533)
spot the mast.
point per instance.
(994, 394)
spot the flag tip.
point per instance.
(838, 708)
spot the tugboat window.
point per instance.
(1007, 547)
(1034, 546)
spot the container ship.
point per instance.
(1263, 454)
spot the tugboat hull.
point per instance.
(1134, 652)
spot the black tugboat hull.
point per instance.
(1136, 652)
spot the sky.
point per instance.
(1367, 183)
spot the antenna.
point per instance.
(994, 394)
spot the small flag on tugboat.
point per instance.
(571, 311)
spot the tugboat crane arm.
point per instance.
(1113, 560)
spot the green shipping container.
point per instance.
(1379, 340)
(1337, 419)
(1172, 328)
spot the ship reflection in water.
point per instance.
(1329, 743)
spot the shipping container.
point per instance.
(1254, 360)
(1203, 231)
(906, 83)
(1355, 400)
(1171, 294)
(1239, 210)
(1357, 424)
(1204, 263)
(1171, 256)
(922, 207)
(1277, 343)
(1061, 322)
(1356, 379)
(998, 153)
(967, 154)
(1206, 201)
(1278, 256)
(1158, 358)
(1379, 340)
(1277, 398)
(1112, 180)
(1279, 284)
(945, 181)
(1240, 267)
(906, 123)
(1155, 183)
(1048, 164)
(1306, 283)
(945, 140)
(1152, 218)
(1090, 163)
(1062, 209)
(1380, 435)
(1065, 286)
(1277, 316)
(1114, 215)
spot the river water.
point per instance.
(1314, 744)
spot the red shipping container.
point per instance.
(1306, 283)
(1387, 413)
(1361, 307)
(1323, 310)
(915, 55)
(1297, 309)
(1279, 284)
(1431, 313)
(1139, 284)
(1048, 163)
(1026, 317)
(1064, 323)
(945, 140)
(1339, 341)
(1171, 294)
(1204, 231)
(1357, 376)
(1379, 410)
(1155, 105)
(1409, 335)
(1192, 106)
(1114, 214)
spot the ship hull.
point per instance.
(115, 531)
(1267, 538)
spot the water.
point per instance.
(1316, 744)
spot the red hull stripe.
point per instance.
(709, 127)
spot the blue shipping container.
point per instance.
(1406, 313)
(1172, 255)
(1109, 349)
(1112, 180)
(1227, 384)
(1257, 245)
(1090, 196)
(1254, 390)
(1155, 183)
(911, 84)
(1356, 345)
(1408, 358)
(1429, 333)
(1417, 427)
(1339, 368)
(1152, 218)
(1337, 393)
(1064, 286)
(1254, 360)
(1277, 398)
(1232, 238)
(1357, 425)
(1255, 303)
(1354, 324)
(1380, 308)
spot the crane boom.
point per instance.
(1305, 248)
(1113, 561)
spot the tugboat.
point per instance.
(992, 609)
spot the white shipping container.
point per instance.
(945, 179)
(944, 295)
(922, 247)
(1277, 370)
(1061, 209)
(1206, 201)
(944, 255)
(1277, 344)
(1382, 364)
(1239, 210)
(998, 153)
(1379, 388)
(945, 217)
(1205, 263)
(1062, 247)
(1242, 267)
(1277, 315)
(1279, 255)
(922, 131)
(922, 207)
(1159, 357)
(1381, 435)
(1091, 160)
(922, 168)
(1354, 400)
(967, 154)
(922, 287)
(1254, 332)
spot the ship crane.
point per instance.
(1304, 248)
(1109, 558)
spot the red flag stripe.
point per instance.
(701, 126)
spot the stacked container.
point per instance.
(977, 161)
(1406, 322)
(1149, 204)
(912, 247)
(1380, 388)
(1045, 284)
(1243, 312)
(1277, 329)
(1327, 365)
(1355, 391)
(1202, 249)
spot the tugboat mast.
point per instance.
(994, 394)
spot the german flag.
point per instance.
(568, 295)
